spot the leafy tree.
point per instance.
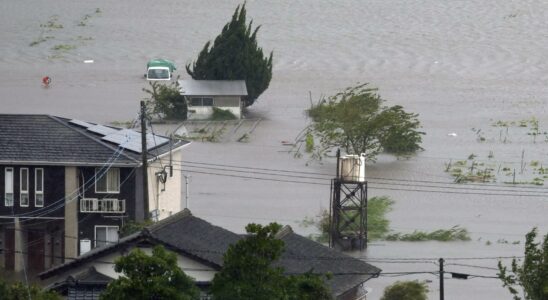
(20, 291)
(150, 277)
(166, 101)
(406, 290)
(132, 227)
(532, 274)
(235, 56)
(248, 272)
(357, 121)
(308, 286)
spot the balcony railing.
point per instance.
(106, 205)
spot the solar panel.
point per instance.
(81, 123)
(103, 130)
(131, 140)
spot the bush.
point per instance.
(222, 114)
(406, 290)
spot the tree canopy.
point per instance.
(406, 290)
(20, 291)
(532, 274)
(166, 101)
(356, 121)
(150, 277)
(235, 55)
(249, 273)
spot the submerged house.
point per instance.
(200, 246)
(203, 95)
(68, 186)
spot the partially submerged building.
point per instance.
(204, 95)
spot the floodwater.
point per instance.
(461, 65)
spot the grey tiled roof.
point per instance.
(302, 255)
(190, 87)
(207, 243)
(45, 139)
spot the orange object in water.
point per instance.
(46, 80)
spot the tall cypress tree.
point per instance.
(235, 56)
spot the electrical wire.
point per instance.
(370, 185)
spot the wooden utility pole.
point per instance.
(144, 159)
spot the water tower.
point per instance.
(348, 226)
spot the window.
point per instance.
(8, 183)
(39, 187)
(108, 182)
(201, 101)
(105, 235)
(24, 180)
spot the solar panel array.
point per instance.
(125, 138)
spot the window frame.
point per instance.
(106, 177)
(21, 191)
(106, 227)
(202, 101)
(36, 191)
(6, 170)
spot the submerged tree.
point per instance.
(155, 276)
(235, 55)
(357, 121)
(249, 273)
(532, 274)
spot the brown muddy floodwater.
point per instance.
(462, 65)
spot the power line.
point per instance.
(370, 182)
(372, 186)
(372, 178)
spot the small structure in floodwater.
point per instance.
(204, 95)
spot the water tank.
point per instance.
(352, 168)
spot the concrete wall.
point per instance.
(71, 213)
(165, 197)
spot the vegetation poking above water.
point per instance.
(379, 226)
(222, 115)
(484, 171)
(456, 233)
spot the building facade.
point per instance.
(68, 186)
(202, 96)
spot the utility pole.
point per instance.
(441, 279)
(144, 159)
(187, 194)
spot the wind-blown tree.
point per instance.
(150, 277)
(235, 55)
(532, 274)
(248, 272)
(356, 121)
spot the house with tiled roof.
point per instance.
(200, 247)
(67, 186)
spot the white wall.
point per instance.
(167, 202)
